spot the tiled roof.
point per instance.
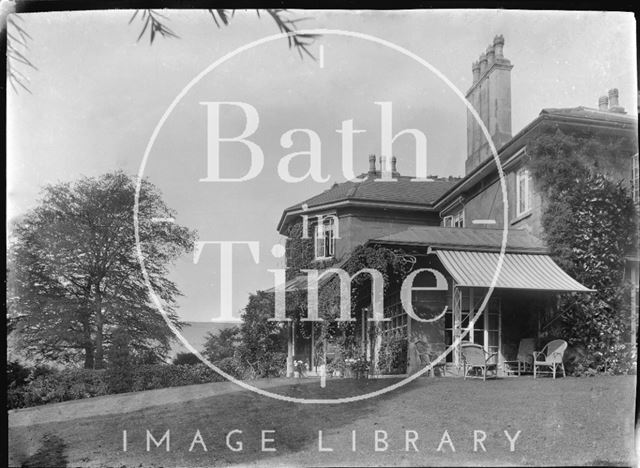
(477, 239)
(591, 114)
(399, 191)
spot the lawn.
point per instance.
(572, 421)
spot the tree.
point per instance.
(223, 345)
(263, 343)
(75, 275)
(589, 225)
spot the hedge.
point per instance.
(73, 384)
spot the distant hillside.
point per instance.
(195, 333)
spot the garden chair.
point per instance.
(524, 358)
(550, 357)
(475, 358)
(422, 349)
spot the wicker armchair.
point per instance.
(550, 358)
(475, 358)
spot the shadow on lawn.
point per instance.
(98, 440)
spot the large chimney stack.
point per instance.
(490, 95)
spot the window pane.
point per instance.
(478, 337)
(520, 194)
(465, 320)
(493, 322)
(493, 338)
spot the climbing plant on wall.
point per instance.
(300, 255)
(589, 224)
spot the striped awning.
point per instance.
(519, 271)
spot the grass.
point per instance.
(568, 421)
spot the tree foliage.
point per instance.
(263, 343)
(221, 345)
(75, 275)
(154, 24)
(186, 359)
(589, 224)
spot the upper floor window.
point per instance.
(458, 219)
(634, 178)
(455, 220)
(523, 191)
(325, 238)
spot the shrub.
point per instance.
(152, 377)
(392, 358)
(620, 359)
(41, 371)
(271, 364)
(17, 374)
(56, 386)
(186, 359)
(74, 384)
(51, 453)
(231, 366)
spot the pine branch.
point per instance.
(152, 21)
(296, 40)
(16, 44)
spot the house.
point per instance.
(452, 231)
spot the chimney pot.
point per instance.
(613, 98)
(372, 164)
(383, 162)
(394, 161)
(475, 68)
(603, 103)
(491, 57)
(498, 45)
(483, 63)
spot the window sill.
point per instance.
(520, 217)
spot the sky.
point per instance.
(97, 96)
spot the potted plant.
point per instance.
(359, 367)
(299, 368)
